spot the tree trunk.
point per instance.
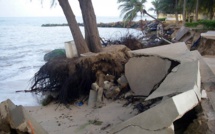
(80, 43)
(184, 11)
(91, 31)
(197, 10)
(176, 11)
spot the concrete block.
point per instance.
(19, 119)
(181, 32)
(204, 94)
(92, 98)
(187, 77)
(71, 50)
(160, 118)
(143, 73)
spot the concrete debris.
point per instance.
(180, 91)
(15, 118)
(122, 81)
(180, 33)
(177, 83)
(144, 73)
(105, 87)
(207, 43)
(204, 94)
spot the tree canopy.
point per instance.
(130, 9)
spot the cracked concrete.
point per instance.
(176, 82)
(181, 90)
(143, 73)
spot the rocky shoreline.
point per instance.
(119, 24)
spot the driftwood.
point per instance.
(72, 78)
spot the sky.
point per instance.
(34, 8)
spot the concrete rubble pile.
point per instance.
(14, 119)
(179, 89)
(105, 87)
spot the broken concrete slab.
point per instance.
(207, 43)
(144, 73)
(17, 118)
(209, 35)
(160, 118)
(176, 51)
(187, 77)
(181, 32)
(207, 75)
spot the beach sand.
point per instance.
(58, 119)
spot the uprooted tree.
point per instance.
(69, 79)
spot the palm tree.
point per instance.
(80, 43)
(208, 7)
(92, 42)
(184, 11)
(196, 11)
(90, 25)
(156, 9)
(130, 9)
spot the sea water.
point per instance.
(23, 43)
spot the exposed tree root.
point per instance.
(71, 78)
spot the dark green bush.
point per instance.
(208, 24)
(161, 19)
(191, 24)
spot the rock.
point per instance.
(107, 85)
(112, 92)
(144, 73)
(122, 81)
(15, 117)
(54, 54)
(95, 86)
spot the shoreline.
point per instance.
(117, 24)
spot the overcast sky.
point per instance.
(28, 8)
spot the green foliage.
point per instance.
(130, 9)
(208, 24)
(161, 19)
(191, 24)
